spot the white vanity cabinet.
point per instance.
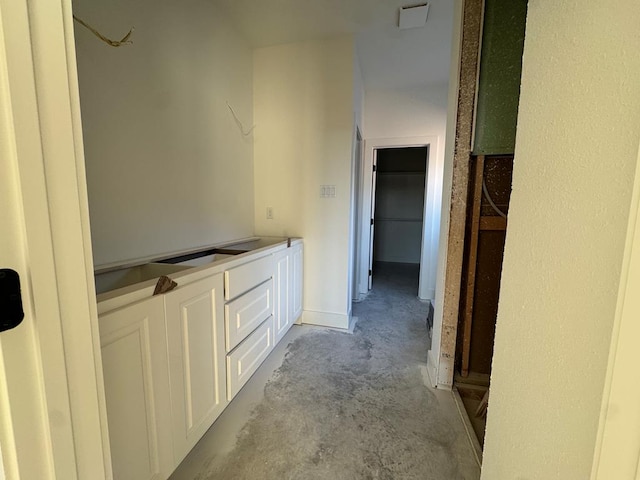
(136, 383)
(249, 319)
(173, 362)
(288, 289)
(196, 345)
(282, 280)
(296, 272)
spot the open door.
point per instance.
(52, 416)
(373, 211)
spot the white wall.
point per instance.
(303, 108)
(576, 152)
(167, 168)
(415, 112)
(409, 112)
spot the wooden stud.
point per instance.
(471, 270)
(493, 223)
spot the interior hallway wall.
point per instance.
(167, 167)
(303, 105)
(415, 112)
(576, 152)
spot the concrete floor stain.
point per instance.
(353, 406)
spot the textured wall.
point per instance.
(576, 151)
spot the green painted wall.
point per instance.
(499, 81)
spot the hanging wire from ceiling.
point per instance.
(239, 123)
(114, 43)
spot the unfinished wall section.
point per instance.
(456, 180)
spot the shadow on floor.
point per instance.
(350, 406)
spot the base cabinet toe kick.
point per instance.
(173, 362)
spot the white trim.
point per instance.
(617, 452)
(326, 319)
(355, 213)
(431, 215)
(432, 369)
(439, 361)
(63, 320)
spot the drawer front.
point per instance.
(246, 312)
(248, 356)
(243, 278)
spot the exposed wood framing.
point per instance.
(493, 223)
(473, 262)
(469, 58)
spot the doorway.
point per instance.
(397, 213)
(432, 192)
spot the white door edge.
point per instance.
(617, 452)
(56, 424)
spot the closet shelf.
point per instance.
(401, 173)
(398, 220)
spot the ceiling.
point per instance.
(389, 57)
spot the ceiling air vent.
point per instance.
(413, 16)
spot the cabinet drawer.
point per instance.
(248, 356)
(246, 312)
(243, 278)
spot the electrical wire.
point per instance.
(239, 123)
(490, 200)
(113, 43)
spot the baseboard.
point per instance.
(471, 434)
(428, 296)
(430, 316)
(432, 369)
(352, 323)
(326, 319)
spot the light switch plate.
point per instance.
(327, 191)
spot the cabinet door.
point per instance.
(282, 294)
(195, 328)
(248, 356)
(296, 282)
(134, 362)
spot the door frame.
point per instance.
(42, 129)
(356, 213)
(431, 211)
(617, 452)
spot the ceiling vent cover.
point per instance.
(413, 16)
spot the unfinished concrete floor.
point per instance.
(334, 405)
